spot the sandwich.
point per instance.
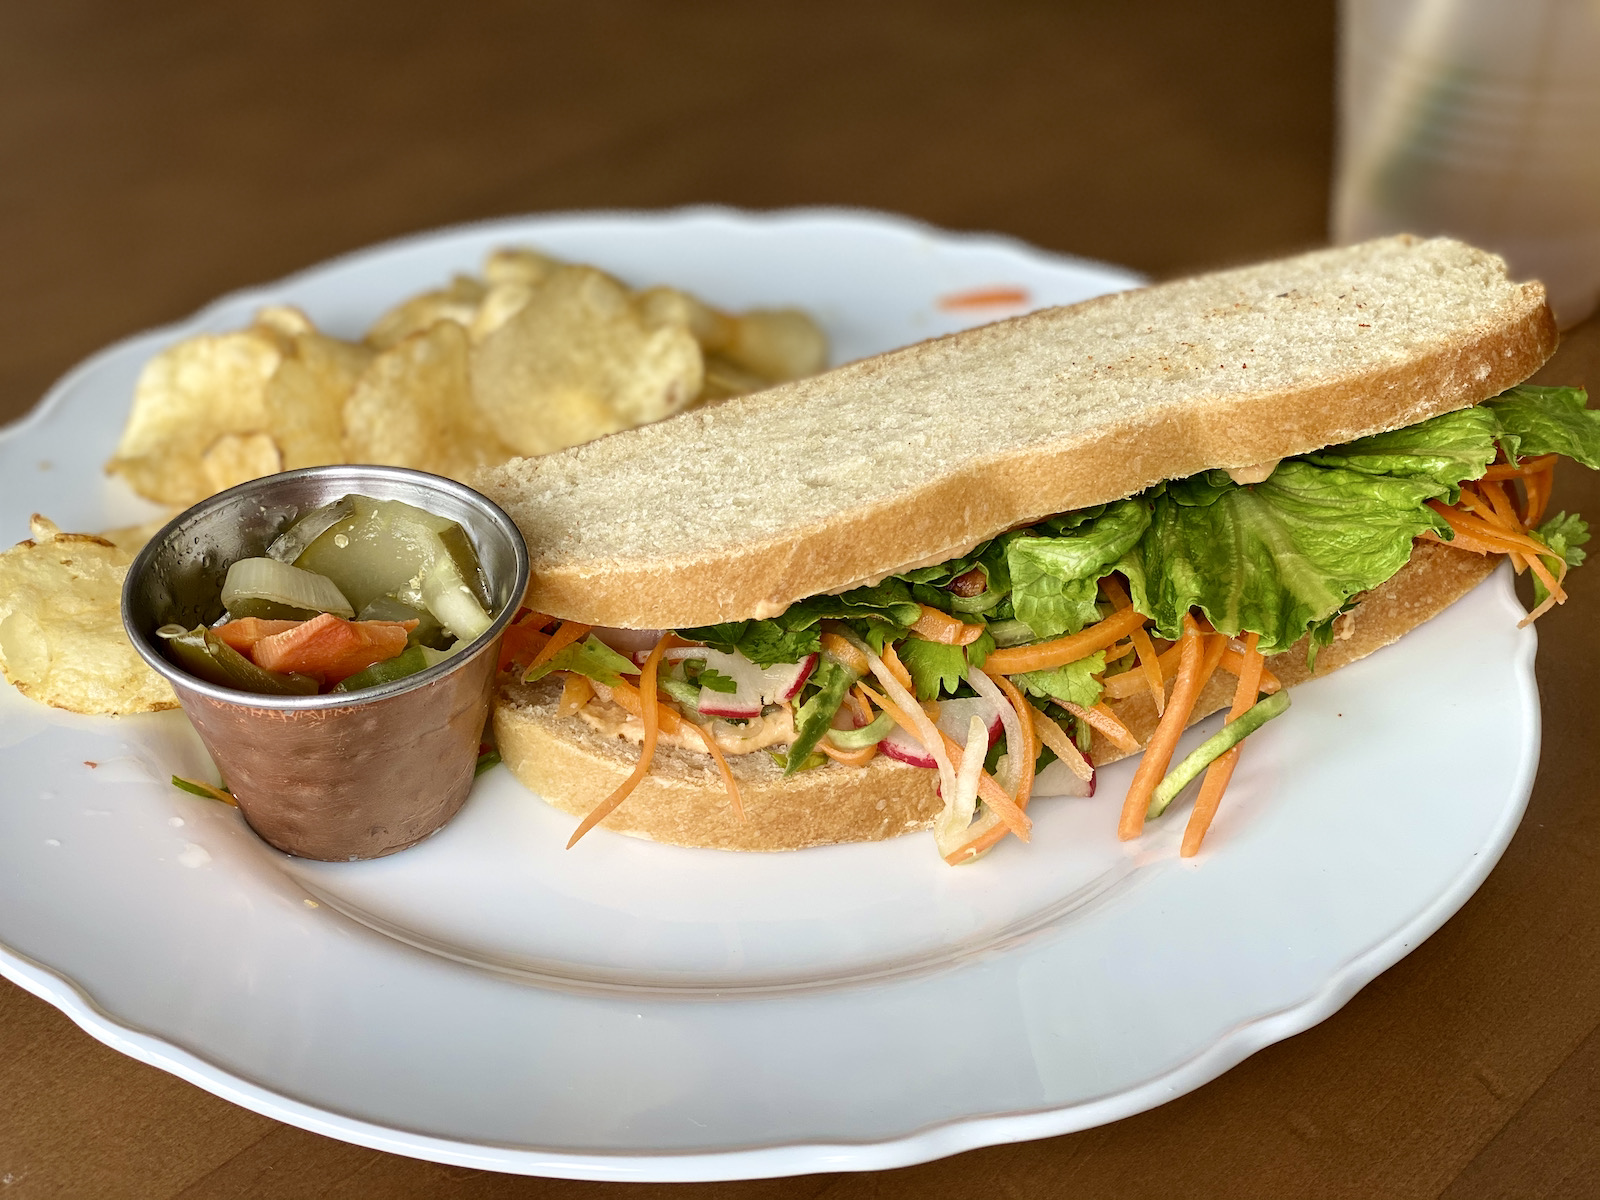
(917, 590)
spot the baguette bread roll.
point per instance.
(683, 802)
(913, 457)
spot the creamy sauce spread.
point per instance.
(1254, 474)
(612, 720)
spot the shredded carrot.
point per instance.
(566, 633)
(896, 667)
(650, 706)
(991, 792)
(841, 649)
(1130, 683)
(1185, 690)
(1015, 660)
(1528, 466)
(936, 626)
(1103, 719)
(848, 758)
(1481, 531)
(628, 698)
(991, 297)
(521, 643)
(1052, 735)
(1220, 772)
(1142, 645)
(728, 780)
(1545, 482)
(575, 693)
(1216, 646)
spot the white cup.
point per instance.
(1479, 119)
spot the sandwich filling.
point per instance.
(1012, 649)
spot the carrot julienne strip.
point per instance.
(988, 837)
(1015, 660)
(1130, 683)
(992, 297)
(1153, 766)
(1052, 735)
(728, 780)
(1220, 772)
(628, 698)
(1103, 719)
(576, 691)
(1528, 466)
(566, 633)
(896, 667)
(1143, 647)
(848, 758)
(1545, 481)
(650, 706)
(936, 626)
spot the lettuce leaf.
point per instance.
(881, 613)
(591, 658)
(1073, 683)
(1444, 450)
(1565, 535)
(1276, 557)
(1055, 580)
(1548, 420)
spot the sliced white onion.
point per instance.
(452, 602)
(1016, 740)
(925, 730)
(950, 830)
(269, 579)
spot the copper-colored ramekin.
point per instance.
(348, 775)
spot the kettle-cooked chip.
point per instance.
(305, 399)
(458, 302)
(519, 265)
(61, 636)
(579, 360)
(413, 407)
(188, 396)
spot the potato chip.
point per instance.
(305, 398)
(61, 636)
(238, 457)
(778, 343)
(521, 265)
(502, 302)
(458, 302)
(580, 360)
(188, 396)
(414, 408)
(284, 319)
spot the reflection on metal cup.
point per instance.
(346, 775)
(1479, 119)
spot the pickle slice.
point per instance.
(292, 542)
(206, 656)
(428, 631)
(387, 548)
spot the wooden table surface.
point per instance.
(156, 155)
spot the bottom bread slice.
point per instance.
(683, 801)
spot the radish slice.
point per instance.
(1016, 740)
(950, 830)
(1058, 779)
(955, 718)
(756, 687)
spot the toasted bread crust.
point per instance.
(682, 800)
(739, 510)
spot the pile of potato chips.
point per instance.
(535, 356)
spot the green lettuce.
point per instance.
(882, 613)
(1443, 450)
(1548, 420)
(1073, 683)
(1055, 580)
(1276, 557)
(591, 658)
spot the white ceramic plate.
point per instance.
(630, 1011)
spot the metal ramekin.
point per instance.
(342, 776)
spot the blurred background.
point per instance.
(157, 155)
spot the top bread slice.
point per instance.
(913, 457)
